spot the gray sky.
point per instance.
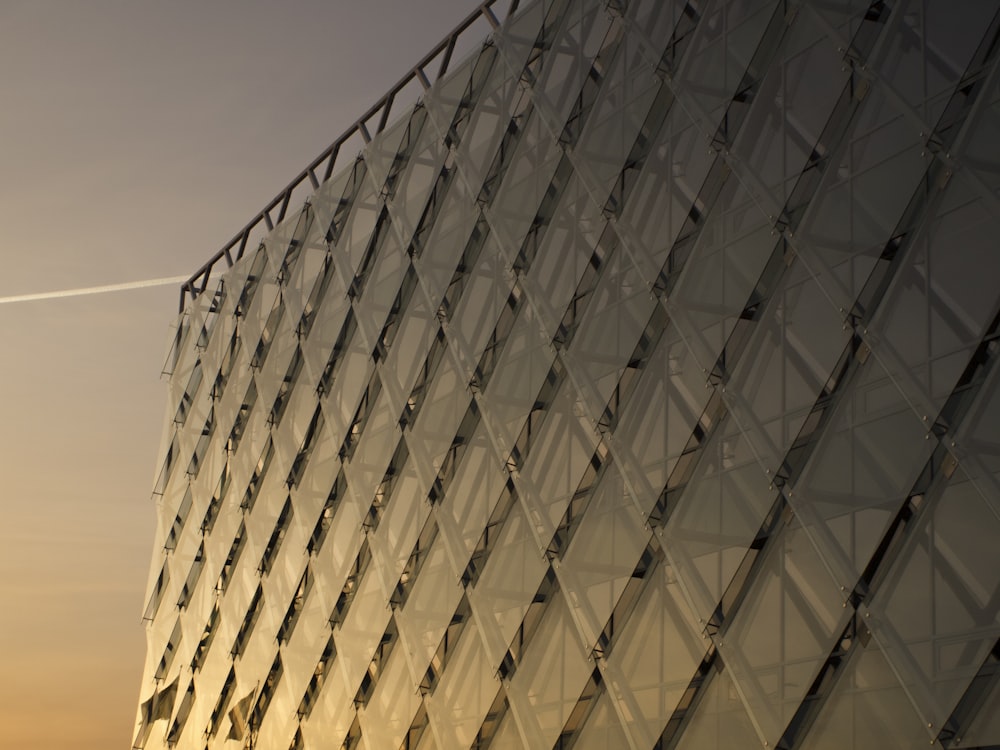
(137, 138)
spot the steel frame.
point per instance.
(327, 162)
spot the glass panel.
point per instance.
(444, 406)
(660, 416)
(724, 43)
(784, 630)
(548, 682)
(657, 653)
(940, 302)
(937, 615)
(717, 517)
(617, 116)
(362, 631)
(443, 248)
(720, 720)
(473, 493)
(566, 62)
(508, 584)
(466, 691)
(390, 711)
(382, 283)
(614, 316)
(863, 197)
(867, 709)
(486, 289)
(560, 452)
(788, 361)
(603, 554)
(723, 270)
(416, 182)
(524, 185)
(524, 364)
(863, 467)
(791, 109)
(430, 606)
(565, 253)
(661, 200)
(602, 730)
(932, 44)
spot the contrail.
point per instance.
(94, 289)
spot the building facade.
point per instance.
(635, 388)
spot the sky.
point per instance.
(137, 138)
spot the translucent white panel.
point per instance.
(941, 285)
(508, 584)
(487, 124)
(430, 606)
(566, 62)
(615, 315)
(466, 691)
(602, 730)
(655, 655)
(551, 676)
(791, 109)
(445, 403)
(517, 37)
(985, 727)
(717, 517)
(716, 60)
(863, 467)
(410, 196)
(443, 247)
(602, 554)
(404, 514)
(485, 290)
(326, 199)
(979, 432)
(723, 269)
(362, 631)
(384, 147)
(937, 615)
(352, 376)
(658, 420)
(280, 722)
(565, 253)
(307, 269)
(381, 284)
(719, 719)
(387, 717)
(507, 736)
(334, 558)
(861, 200)
(929, 53)
(378, 441)
(328, 319)
(358, 228)
(618, 113)
(867, 709)
(980, 155)
(317, 479)
(303, 652)
(512, 389)
(525, 182)
(798, 341)
(559, 454)
(449, 92)
(410, 344)
(332, 715)
(473, 492)
(653, 22)
(784, 630)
